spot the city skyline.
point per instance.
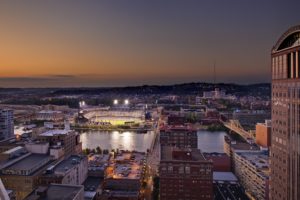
(47, 44)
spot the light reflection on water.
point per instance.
(117, 140)
(207, 141)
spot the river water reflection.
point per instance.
(207, 141)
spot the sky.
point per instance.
(59, 43)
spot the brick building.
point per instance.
(185, 174)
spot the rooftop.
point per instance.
(259, 159)
(13, 150)
(128, 165)
(30, 163)
(55, 192)
(92, 183)
(169, 153)
(67, 164)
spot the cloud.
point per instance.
(52, 77)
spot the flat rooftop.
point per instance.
(57, 191)
(169, 153)
(29, 163)
(259, 159)
(92, 183)
(67, 164)
(128, 165)
(240, 145)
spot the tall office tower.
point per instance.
(285, 144)
(6, 124)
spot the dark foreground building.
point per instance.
(285, 149)
(185, 174)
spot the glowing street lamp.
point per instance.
(116, 102)
(126, 102)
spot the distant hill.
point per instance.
(177, 89)
(261, 89)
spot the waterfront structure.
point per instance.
(252, 169)
(185, 174)
(113, 116)
(182, 136)
(285, 151)
(69, 140)
(263, 134)
(6, 124)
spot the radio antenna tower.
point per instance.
(215, 73)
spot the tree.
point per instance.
(86, 151)
(98, 150)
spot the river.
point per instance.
(207, 141)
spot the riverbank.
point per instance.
(120, 129)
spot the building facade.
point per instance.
(185, 174)
(285, 151)
(179, 136)
(263, 134)
(6, 124)
(252, 169)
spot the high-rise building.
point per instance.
(185, 174)
(285, 145)
(6, 124)
(182, 136)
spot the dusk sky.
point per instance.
(119, 43)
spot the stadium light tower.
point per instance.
(116, 102)
(126, 102)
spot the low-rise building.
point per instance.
(97, 165)
(252, 169)
(263, 134)
(57, 191)
(71, 171)
(22, 174)
(124, 176)
(231, 147)
(69, 140)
